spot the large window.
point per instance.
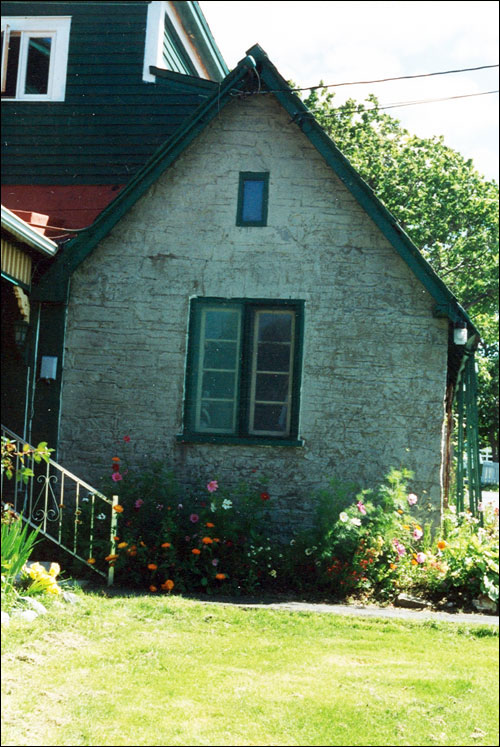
(34, 58)
(243, 373)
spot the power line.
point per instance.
(399, 77)
(362, 108)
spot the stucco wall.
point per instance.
(374, 356)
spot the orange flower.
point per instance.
(220, 576)
(111, 557)
(392, 566)
(442, 544)
(115, 459)
(116, 539)
(118, 508)
(153, 588)
(142, 544)
(91, 561)
(132, 553)
(166, 544)
(414, 562)
(209, 525)
(133, 547)
(216, 539)
(195, 551)
(207, 540)
(168, 585)
(400, 511)
(122, 544)
(152, 566)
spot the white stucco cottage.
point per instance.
(246, 303)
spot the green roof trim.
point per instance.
(195, 24)
(256, 66)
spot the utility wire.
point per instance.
(399, 77)
(362, 108)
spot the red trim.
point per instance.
(60, 205)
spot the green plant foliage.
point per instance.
(22, 471)
(448, 209)
(18, 541)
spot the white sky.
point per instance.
(349, 41)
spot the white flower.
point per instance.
(212, 507)
(356, 522)
(85, 500)
(226, 503)
(308, 550)
(101, 517)
(273, 573)
(343, 517)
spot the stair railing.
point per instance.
(71, 513)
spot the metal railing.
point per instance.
(69, 512)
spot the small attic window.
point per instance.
(34, 58)
(252, 199)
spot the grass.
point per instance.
(171, 671)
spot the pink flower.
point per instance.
(417, 534)
(361, 507)
(420, 557)
(126, 439)
(116, 477)
(138, 503)
(212, 486)
(412, 499)
(194, 518)
(215, 562)
(400, 549)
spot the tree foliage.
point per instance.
(447, 208)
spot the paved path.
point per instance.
(365, 611)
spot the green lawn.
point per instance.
(170, 671)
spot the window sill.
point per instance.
(208, 438)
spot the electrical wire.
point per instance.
(399, 77)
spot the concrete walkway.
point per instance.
(355, 610)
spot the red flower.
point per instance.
(126, 439)
(116, 467)
(265, 496)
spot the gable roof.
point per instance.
(255, 73)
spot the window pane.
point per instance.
(216, 416)
(273, 356)
(220, 354)
(271, 387)
(221, 324)
(37, 69)
(275, 327)
(271, 372)
(270, 418)
(12, 65)
(218, 370)
(253, 201)
(218, 385)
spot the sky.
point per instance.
(337, 42)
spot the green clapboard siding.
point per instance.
(111, 121)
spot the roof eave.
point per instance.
(28, 235)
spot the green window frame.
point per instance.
(253, 199)
(243, 373)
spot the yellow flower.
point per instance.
(91, 561)
(111, 557)
(123, 544)
(442, 544)
(406, 526)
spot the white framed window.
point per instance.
(35, 57)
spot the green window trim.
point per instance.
(243, 373)
(253, 198)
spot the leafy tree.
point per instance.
(449, 210)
